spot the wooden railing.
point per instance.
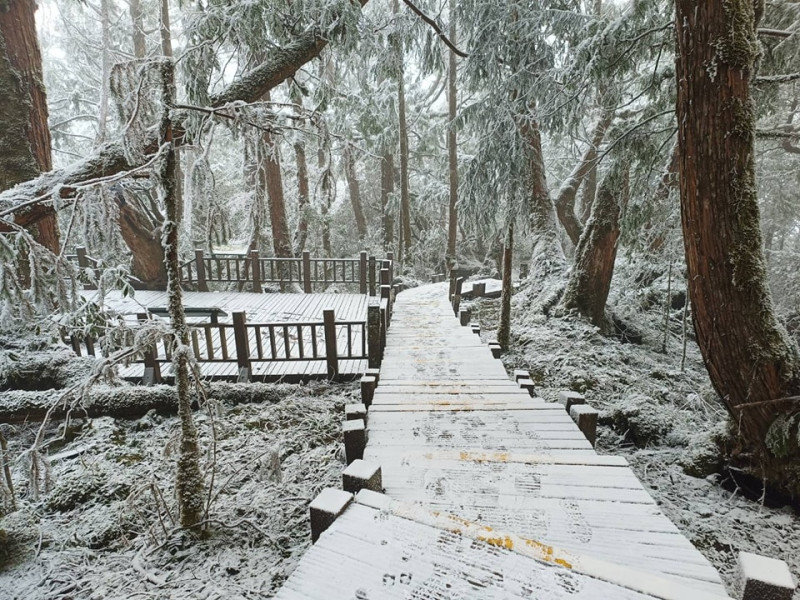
(247, 344)
(309, 273)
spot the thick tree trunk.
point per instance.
(565, 199)
(355, 192)
(139, 42)
(452, 148)
(270, 164)
(590, 281)
(750, 359)
(24, 134)
(143, 237)
(547, 258)
(504, 326)
(387, 189)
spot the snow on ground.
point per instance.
(106, 530)
(663, 420)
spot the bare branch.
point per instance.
(436, 28)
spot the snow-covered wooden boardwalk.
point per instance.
(489, 493)
(280, 339)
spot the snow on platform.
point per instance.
(454, 436)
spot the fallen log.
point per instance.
(126, 402)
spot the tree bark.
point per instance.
(355, 192)
(504, 327)
(387, 189)
(139, 42)
(105, 25)
(24, 135)
(188, 477)
(547, 258)
(301, 233)
(405, 209)
(565, 199)
(143, 237)
(750, 359)
(270, 166)
(590, 281)
(452, 148)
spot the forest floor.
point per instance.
(106, 527)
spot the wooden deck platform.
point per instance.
(260, 308)
(489, 493)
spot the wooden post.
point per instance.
(200, 267)
(329, 319)
(353, 412)
(452, 291)
(390, 258)
(568, 399)
(367, 390)
(362, 273)
(479, 289)
(384, 324)
(361, 475)
(152, 368)
(457, 295)
(374, 350)
(386, 294)
(83, 263)
(763, 578)
(325, 508)
(256, 270)
(523, 270)
(355, 440)
(371, 275)
(464, 316)
(242, 345)
(586, 418)
(385, 275)
(306, 272)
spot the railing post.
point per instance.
(152, 369)
(384, 323)
(362, 273)
(329, 320)
(255, 269)
(200, 267)
(242, 346)
(457, 295)
(374, 349)
(386, 294)
(452, 291)
(371, 275)
(306, 271)
(390, 257)
(83, 263)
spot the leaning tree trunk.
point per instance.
(189, 478)
(590, 281)
(405, 208)
(751, 361)
(24, 134)
(504, 327)
(565, 199)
